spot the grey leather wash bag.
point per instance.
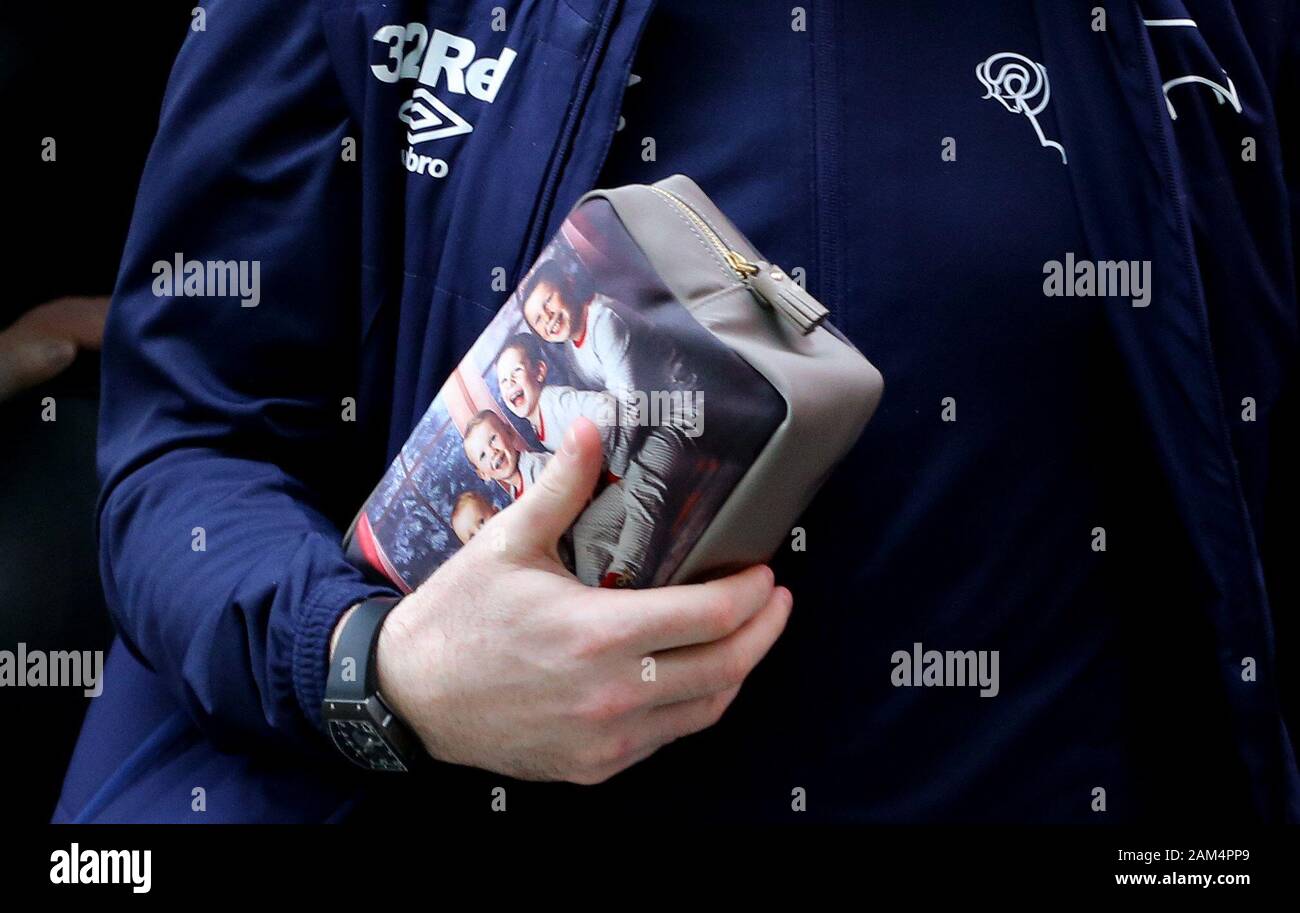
(722, 395)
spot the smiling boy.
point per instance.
(551, 408)
(490, 449)
(561, 305)
(621, 526)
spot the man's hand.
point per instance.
(503, 660)
(44, 341)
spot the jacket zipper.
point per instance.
(767, 281)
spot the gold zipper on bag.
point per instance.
(766, 280)
(736, 260)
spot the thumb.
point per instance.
(32, 360)
(550, 506)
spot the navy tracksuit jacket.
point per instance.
(393, 166)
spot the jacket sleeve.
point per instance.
(222, 432)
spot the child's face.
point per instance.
(520, 381)
(489, 451)
(550, 316)
(469, 519)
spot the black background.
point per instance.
(90, 75)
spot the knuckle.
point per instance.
(604, 757)
(600, 632)
(616, 630)
(724, 613)
(550, 485)
(584, 777)
(731, 607)
(734, 667)
(718, 706)
(605, 706)
(619, 751)
(589, 643)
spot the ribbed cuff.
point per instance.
(320, 614)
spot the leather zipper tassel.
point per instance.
(766, 280)
(772, 284)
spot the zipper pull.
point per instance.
(737, 261)
(771, 284)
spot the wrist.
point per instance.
(315, 627)
(408, 666)
(362, 724)
(393, 669)
(338, 629)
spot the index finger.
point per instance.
(694, 613)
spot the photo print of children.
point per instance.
(613, 538)
(593, 333)
(493, 449)
(469, 513)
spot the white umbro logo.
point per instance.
(440, 61)
(429, 119)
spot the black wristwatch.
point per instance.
(361, 725)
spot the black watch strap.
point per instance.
(360, 724)
(358, 641)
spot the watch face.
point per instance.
(361, 741)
